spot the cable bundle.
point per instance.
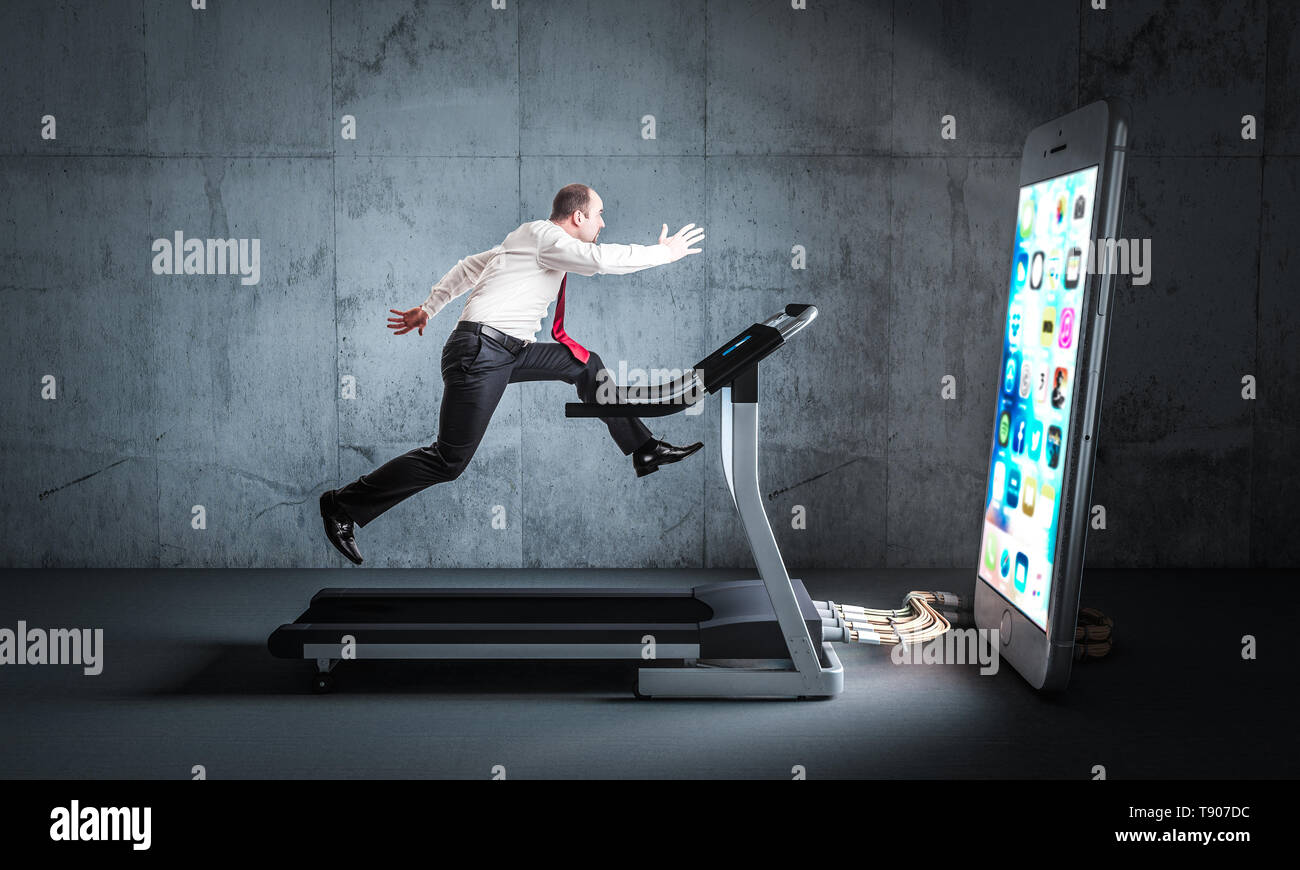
(927, 615)
(1092, 636)
(923, 616)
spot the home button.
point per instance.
(1004, 630)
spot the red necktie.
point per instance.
(557, 328)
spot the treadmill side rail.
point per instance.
(808, 678)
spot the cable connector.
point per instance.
(953, 602)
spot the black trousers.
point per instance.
(475, 371)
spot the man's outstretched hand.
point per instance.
(680, 244)
(416, 318)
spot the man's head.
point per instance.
(577, 210)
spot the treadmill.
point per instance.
(741, 639)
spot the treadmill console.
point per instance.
(721, 367)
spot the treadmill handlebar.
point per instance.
(660, 400)
(797, 316)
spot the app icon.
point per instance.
(991, 552)
(1018, 442)
(999, 481)
(1059, 382)
(1026, 379)
(1080, 206)
(1062, 203)
(1013, 486)
(1036, 271)
(1073, 261)
(1053, 447)
(1009, 379)
(1004, 428)
(1030, 490)
(1046, 504)
(1022, 571)
(1022, 268)
(1049, 326)
(1067, 328)
(1027, 209)
(1054, 270)
(1035, 440)
(1013, 326)
(1040, 385)
(1005, 563)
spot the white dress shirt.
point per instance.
(516, 281)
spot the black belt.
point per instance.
(510, 343)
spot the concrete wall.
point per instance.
(774, 127)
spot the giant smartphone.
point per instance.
(1039, 484)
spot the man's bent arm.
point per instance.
(560, 251)
(462, 277)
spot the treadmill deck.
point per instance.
(732, 620)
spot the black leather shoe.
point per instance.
(647, 461)
(338, 527)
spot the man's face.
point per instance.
(595, 220)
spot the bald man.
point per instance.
(494, 344)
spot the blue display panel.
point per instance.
(1032, 422)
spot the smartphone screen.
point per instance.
(1032, 423)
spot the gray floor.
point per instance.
(188, 681)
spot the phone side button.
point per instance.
(1004, 630)
(1103, 281)
(1094, 378)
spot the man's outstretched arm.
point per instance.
(560, 251)
(462, 277)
